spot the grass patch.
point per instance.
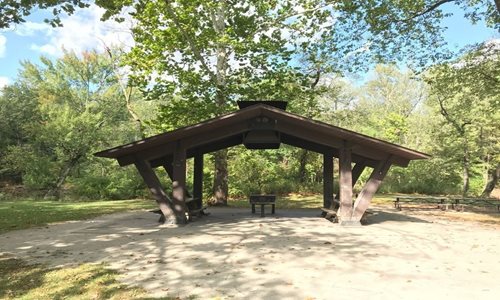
(21, 214)
(19, 280)
(293, 200)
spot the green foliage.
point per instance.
(465, 95)
(435, 176)
(103, 179)
(56, 115)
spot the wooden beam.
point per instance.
(169, 168)
(345, 182)
(327, 179)
(370, 188)
(179, 181)
(170, 173)
(357, 171)
(304, 144)
(215, 136)
(305, 134)
(154, 185)
(198, 180)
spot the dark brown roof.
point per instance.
(227, 130)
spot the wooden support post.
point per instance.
(198, 180)
(357, 171)
(154, 185)
(169, 169)
(179, 182)
(345, 183)
(369, 189)
(327, 180)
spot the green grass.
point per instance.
(19, 280)
(305, 201)
(21, 214)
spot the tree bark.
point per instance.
(302, 166)
(220, 187)
(466, 169)
(492, 180)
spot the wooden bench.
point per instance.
(263, 200)
(441, 202)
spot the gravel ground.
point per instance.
(294, 254)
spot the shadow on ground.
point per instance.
(294, 254)
(378, 216)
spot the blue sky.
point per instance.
(84, 31)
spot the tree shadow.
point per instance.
(380, 216)
(230, 253)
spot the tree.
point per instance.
(75, 103)
(466, 94)
(18, 113)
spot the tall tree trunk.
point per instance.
(492, 180)
(54, 191)
(466, 169)
(220, 187)
(302, 165)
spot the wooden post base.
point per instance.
(350, 223)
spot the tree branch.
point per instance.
(428, 9)
(446, 115)
(316, 78)
(189, 40)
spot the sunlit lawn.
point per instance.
(20, 214)
(19, 280)
(305, 201)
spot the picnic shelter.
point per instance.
(263, 125)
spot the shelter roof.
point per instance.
(229, 130)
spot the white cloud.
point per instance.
(4, 81)
(3, 42)
(31, 28)
(83, 31)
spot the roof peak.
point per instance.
(276, 104)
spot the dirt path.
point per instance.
(293, 255)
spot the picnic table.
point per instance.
(262, 200)
(461, 202)
(443, 202)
